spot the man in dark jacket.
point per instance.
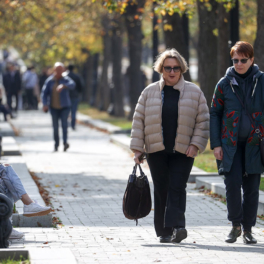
(55, 97)
(75, 94)
(12, 84)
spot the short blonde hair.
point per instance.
(170, 53)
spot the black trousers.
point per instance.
(170, 173)
(242, 211)
(9, 100)
(30, 98)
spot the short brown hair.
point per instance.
(242, 48)
(170, 53)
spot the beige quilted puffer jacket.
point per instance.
(193, 119)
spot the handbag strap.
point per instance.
(135, 170)
(250, 118)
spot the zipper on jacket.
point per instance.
(161, 119)
(254, 87)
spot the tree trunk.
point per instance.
(135, 36)
(94, 78)
(155, 42)
(87, 77)
(223, 57)
(259, 42)
(178, 37)
(103, 95)
(117, 61)
(207, 49)
(234, 26)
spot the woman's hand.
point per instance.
(192, 151)
(218, 153)
(136, 157)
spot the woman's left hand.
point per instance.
(192, 151)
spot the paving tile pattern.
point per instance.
(86, 186)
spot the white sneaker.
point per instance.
(16, 234)
(35, 209)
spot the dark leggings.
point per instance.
(242, 212)
(170, 173)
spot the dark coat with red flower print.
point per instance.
(225, 118)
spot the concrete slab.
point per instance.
(104, 126)
(40, 255)
(6, 129)
(51, 256)
(19, 220)
(10, 147)
(13, 254)
(122, 141)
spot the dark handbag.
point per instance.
(260, 136)
(137, 197)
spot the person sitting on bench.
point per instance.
(12, 187)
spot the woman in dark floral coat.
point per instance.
(235, 140)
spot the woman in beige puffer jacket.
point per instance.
(170, 123)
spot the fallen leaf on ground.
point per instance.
(46, 242)
(57, 185)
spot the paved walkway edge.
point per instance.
(217, 185)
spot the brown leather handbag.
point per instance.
(137, 197)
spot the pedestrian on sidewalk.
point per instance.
(55, 97)
(3, 107)
(12, 187)
(236, 119)
(30, 85)
(75, 94)
(170, 123)
(12, 84)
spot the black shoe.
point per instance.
(165, 239)
(178, 235)
(248, 238)
(66, 146)
(55, 149)
(233, 235)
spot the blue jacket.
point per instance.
(225, 119)
(46, 94)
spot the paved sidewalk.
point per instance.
(87, 184)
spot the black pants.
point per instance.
(30, 98)
(9, 100)
(242, 212)
(170, 173)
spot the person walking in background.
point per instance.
(3, 108)
(55, 97)
(75, 94)
(43, 77)
(12, 84)
(30, 84)
(170, 123)
(235, 123)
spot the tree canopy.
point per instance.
(51, 30)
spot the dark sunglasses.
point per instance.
(175, 69)
(244, 61)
